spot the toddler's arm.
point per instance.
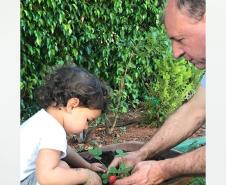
(51, 170)
(75, 160)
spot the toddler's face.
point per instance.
(77, 120)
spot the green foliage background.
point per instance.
(121, 41)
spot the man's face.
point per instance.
(187, 35)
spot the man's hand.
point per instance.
(155, 172)
(98, 167)
(130, 160)
(144, 173)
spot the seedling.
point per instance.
(113, 172)
(120, 153)
(96, 153)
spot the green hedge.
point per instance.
(172, 82)
(109, 38)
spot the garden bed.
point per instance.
(128, 129)
(109, 152)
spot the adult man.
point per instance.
(185, 25)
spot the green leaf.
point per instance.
(112, 170)
(104, 178)
(95, 152)
(120, 153)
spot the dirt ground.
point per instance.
(131, 132)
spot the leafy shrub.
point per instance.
(92, 34)
(109, 39)
(166, 82)
(172, 81)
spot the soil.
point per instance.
(107, 157)
(127, 129)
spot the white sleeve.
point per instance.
(54, 137)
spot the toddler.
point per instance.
(70, 98)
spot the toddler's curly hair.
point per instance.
(71, 81)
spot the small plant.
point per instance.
(96, 153)
(113, 173)
(122, 130)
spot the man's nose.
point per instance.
(177, 50)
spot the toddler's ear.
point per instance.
(72, 103)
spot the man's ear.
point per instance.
(72, 103)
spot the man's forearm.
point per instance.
(179, 126)
(187, 164)
(176, 128)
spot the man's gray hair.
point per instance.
(195, 8)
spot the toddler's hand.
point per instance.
(93, 178)
(98, 167)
